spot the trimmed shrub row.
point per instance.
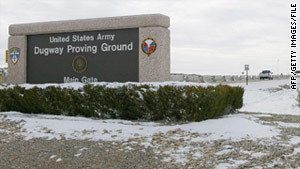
(131, 102)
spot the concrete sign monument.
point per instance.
(121, 49)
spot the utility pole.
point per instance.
(246, 69)
(278, 66)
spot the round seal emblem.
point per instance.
(149, 46)
(79, 64)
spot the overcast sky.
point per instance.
(207, 36)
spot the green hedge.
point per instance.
(131, 102)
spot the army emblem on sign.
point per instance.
(149, 46)
(79, 64)
(14, 55)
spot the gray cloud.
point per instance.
(208, 37)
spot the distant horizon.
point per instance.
(250, 74)
(254, 32)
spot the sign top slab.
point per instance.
(134, 21)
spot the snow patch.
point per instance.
(292, 125)
(59, 160)
(258, 154)
(226, 151)
(77, 155)
(295, 140)
(257, 98)
(235, 127)
(53, 156)
(223, 166)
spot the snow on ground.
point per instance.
(78, 85)
(235, 127)
(267, 96)
(264, 96)
(270, 97)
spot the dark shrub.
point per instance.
(130, 102)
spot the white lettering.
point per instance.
(70, 80)
(119, 47)
(106, 37)
(48, 51)
(85, 79)
(59, 39)
(82, 38)
(82, 49)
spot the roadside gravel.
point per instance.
(73, 154)
(164, 152)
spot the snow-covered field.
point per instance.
(235, 127)
(267, 97)
(270, 97)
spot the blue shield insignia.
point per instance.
(14, 54)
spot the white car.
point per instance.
(266, 74)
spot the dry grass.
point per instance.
(286, 86)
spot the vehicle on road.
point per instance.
(266, 74)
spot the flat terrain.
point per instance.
(265, 133)
(165, 151)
